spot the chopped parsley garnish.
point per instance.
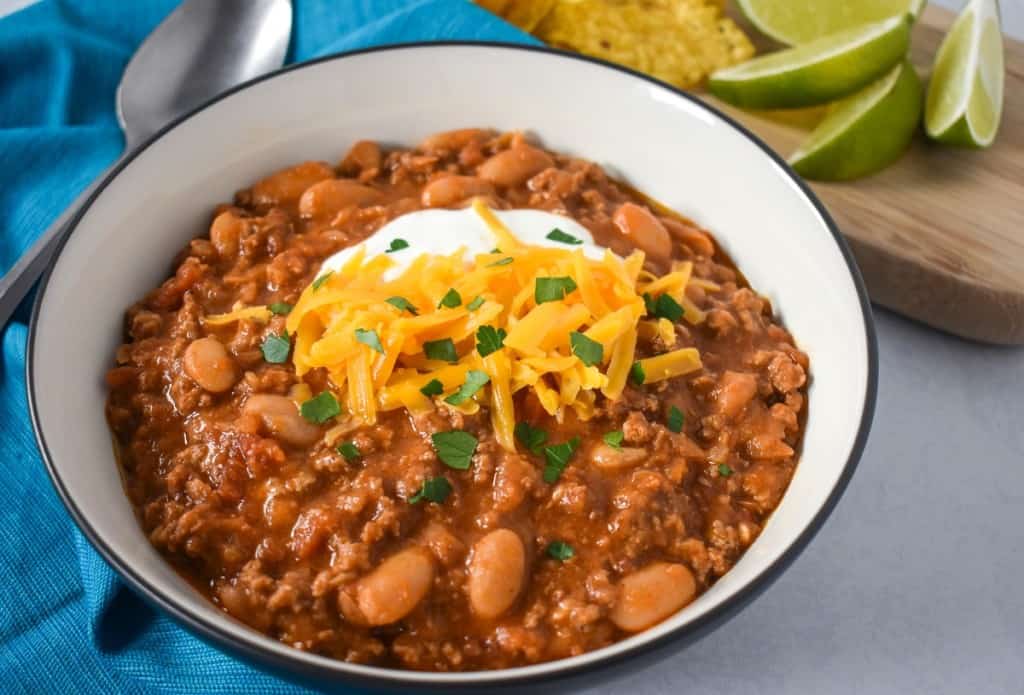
(557, 457)
(560, 550)
(475, 304)
(321, 408)
(451, 299)
(636, 373)
(557, 234)
(369, 338)
(275, 348)
(501, 261)
(675, 419)
(724, 470)
(489, 339)
(434, 490)
(280, 308)
(588, 350)
(664, 307)
(350, 451)
(475, 380)
(397, 245)
(455, 448)
(319, 282)
(402, 304)
(432, 388)
(443, 350)
(613, 438)
(531, 437)
(553, 289)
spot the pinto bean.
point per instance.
(734, 391)
(514, 166)
(285, 186)
(608, 458)
(691, 236)
(326, 198)
(496, 573)
(651, 594)
(208, 363)
(449, 190)
(226, 232)
(281, 418)
(644, 231)
(363, 156)
(452, 140)
(391, 591)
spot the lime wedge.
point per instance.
(965, 94)
(795, 23)
(865, 131)
(816, 72)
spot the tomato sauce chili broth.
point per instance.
(374, 550)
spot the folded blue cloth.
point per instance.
(67, 623)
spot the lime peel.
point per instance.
(965, 95)
(795, 23)
(817, 72)
(864, 132)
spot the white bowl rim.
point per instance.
(318, 669)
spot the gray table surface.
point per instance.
(914, 585)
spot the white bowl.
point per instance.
(664, 142)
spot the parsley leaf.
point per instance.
(476, 303)
(489, 339)
(321, 408)
(455, 448)
(451, 299)
(530, 437)
(557, 457)
(589, 351)
(636, 373)
(668, 308)
(402, 304)
(432, 388)
(724, 470)
(475, 380)
(319, 282)
(675, 419)
(350, 451)
(280, 308)
(613, 438)
(552, 289)
(560, 550)
(557, 234)
(664, 307)
(434, 490)
(275, 348)
(397, 245)
(502, 261)
(443, 350)
(369, 338)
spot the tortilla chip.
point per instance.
(678, 41)
(525, 14)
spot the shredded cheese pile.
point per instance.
(375, 337)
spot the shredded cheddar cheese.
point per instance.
(380, 356)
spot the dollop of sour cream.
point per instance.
(442, 232)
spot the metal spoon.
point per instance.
(200, 50)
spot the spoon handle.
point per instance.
(16, 283)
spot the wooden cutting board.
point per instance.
(939, 235)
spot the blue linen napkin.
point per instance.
(67, 623)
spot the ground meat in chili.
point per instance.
(320, 550)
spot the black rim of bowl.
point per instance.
(336, 671)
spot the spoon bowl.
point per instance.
(199, 51)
